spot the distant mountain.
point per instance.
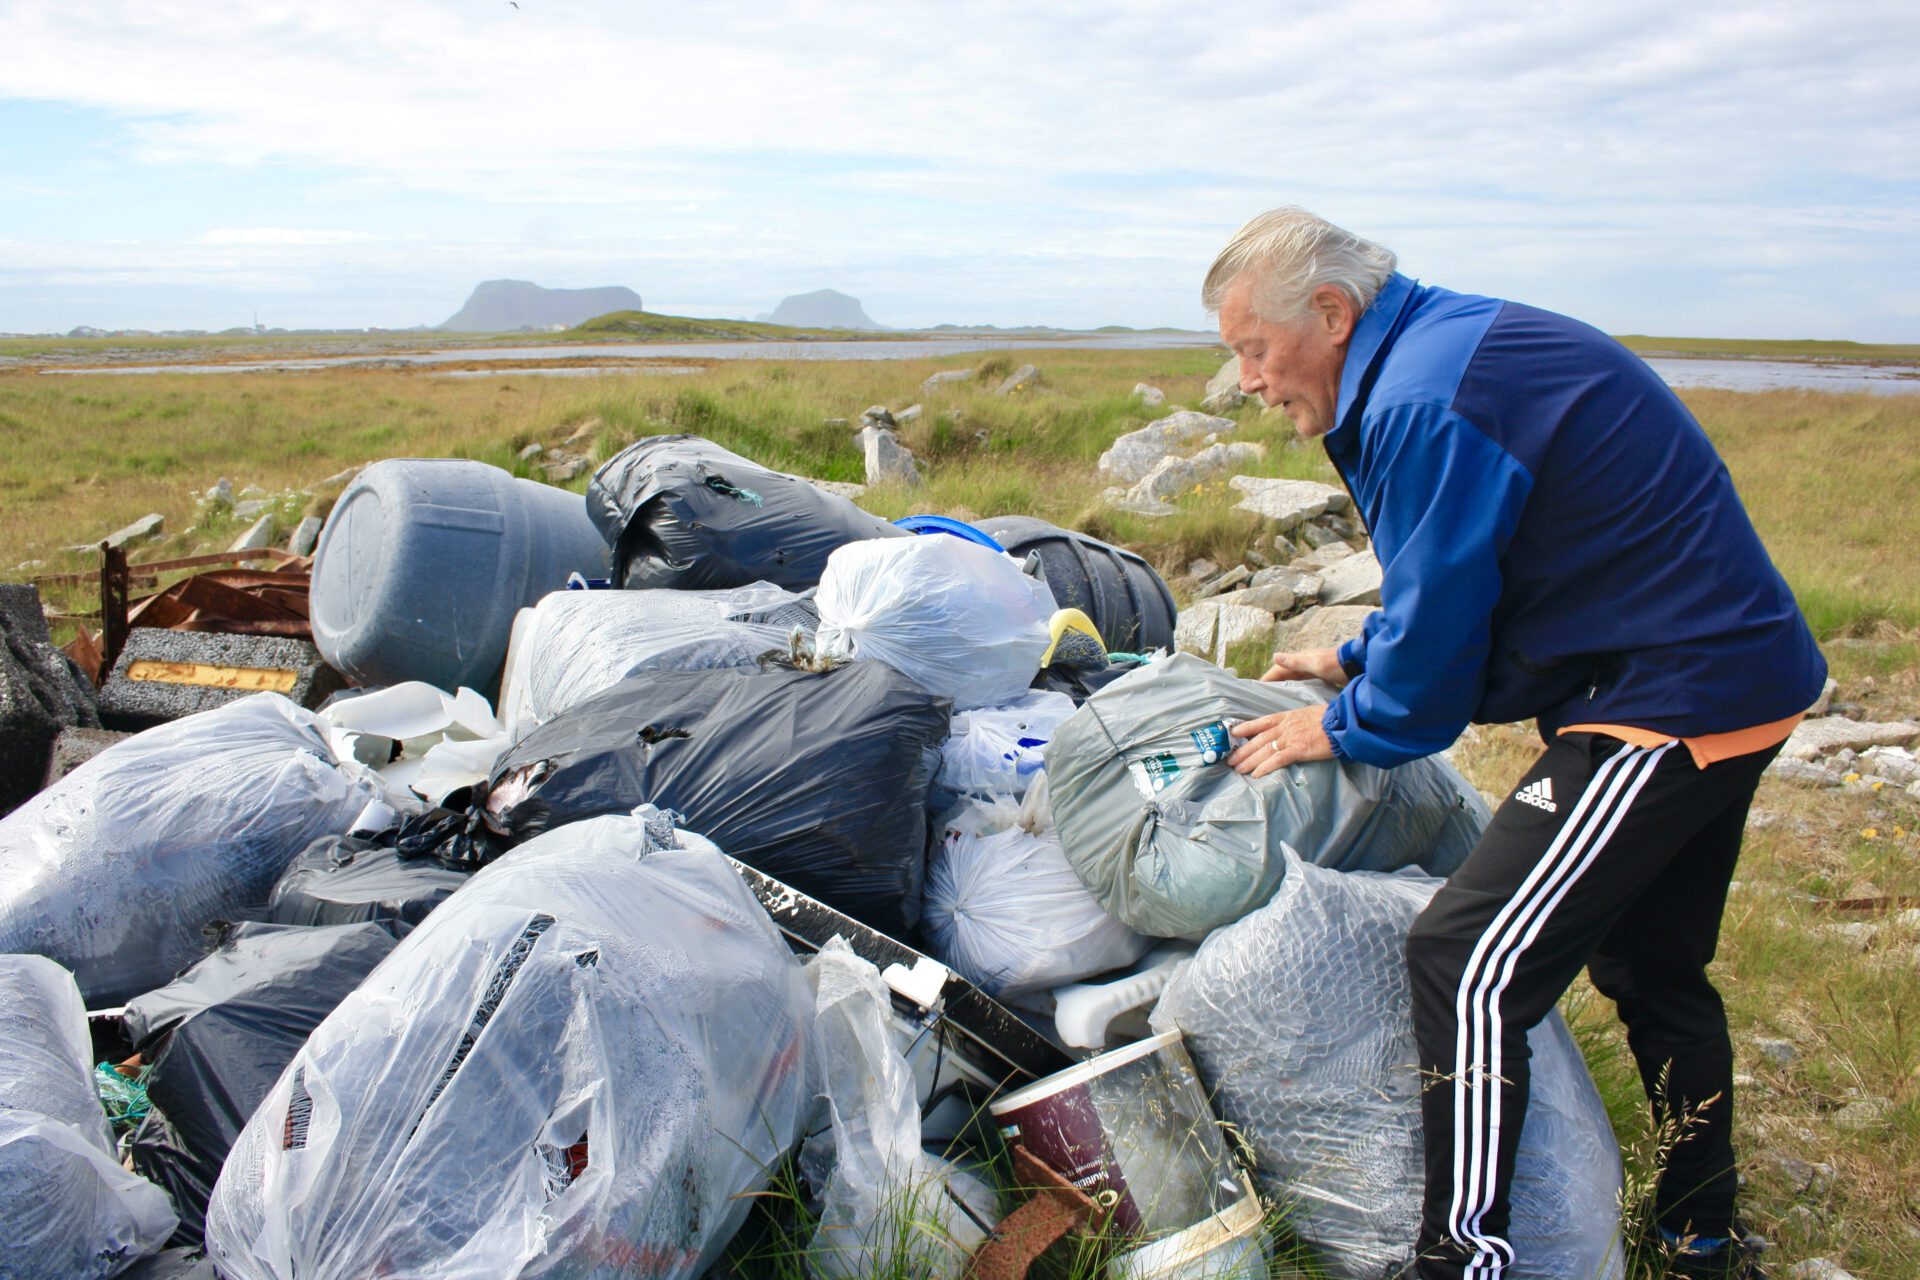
(821, 309)
(499, 306)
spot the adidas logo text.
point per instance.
(1538, 794)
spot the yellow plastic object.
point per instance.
(1065, 620)
(252, 679)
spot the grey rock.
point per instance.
(1895, 764)
(1258, 558)
(876, 415)
(1152, 397)
(1320, 559)
(946, 378)
(1303, 585)
(1801, 1219)
(1822, 703)
(1779, 1052)
(250, 509)
(1223, 393)
(1122, 500)
(306, 536)
(1342, 526)
(141, 530)
(1222, 582)
(1317, 535)
(258, 536)
(338, 480)
(1863, 1114)
(1212, 627)
(531, 452)
(909, 414)
(564, 468)
(1275, 598)
(887, 460)
(839, 488)
(1352, 580)
(1804, 772)
(1818, 1269)
(1172, 476)
(1198, 569)
(1025, 378)
(1287, 503)
(1828, 734)
(220, 495)
(1321, 627)
(1133, 455)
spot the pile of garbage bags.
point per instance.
(584, 1063)
(1299, 1017)
(67, 1208)
(114, 870)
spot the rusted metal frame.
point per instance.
(113, 604)
(1054, 1208)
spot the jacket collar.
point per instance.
(1372, 338)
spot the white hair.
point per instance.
(1286, 254)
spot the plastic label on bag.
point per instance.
(1155, 773)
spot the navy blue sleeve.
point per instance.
(1450, 499)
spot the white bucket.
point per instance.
(1230, 1245)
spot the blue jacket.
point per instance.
(1558, 536)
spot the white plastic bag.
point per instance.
(1300, 1019)
(1005, 909)
(581, 1064)
(67, 1208)
(115, 870)
(962, 620)
(999, 751)
(888, 1207)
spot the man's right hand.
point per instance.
(1308, 664)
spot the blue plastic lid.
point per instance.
(946, 524)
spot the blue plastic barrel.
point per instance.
(947, 524)
(424, 561)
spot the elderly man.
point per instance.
(1560, 542)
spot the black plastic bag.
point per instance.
(218, 1037)
(344, 880)
(681, 512)
(818, 779)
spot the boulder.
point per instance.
(258, 536)
(1825, 700)
(1123, 500)
(877, 415)
(1173, 475)
(1288, 503)
(1828, 734)
(306, 536)
(839, 488)
(1223, 582)
(1275, 598)
(564, 468)
(888, 461)
(1152, 397)
(1322, 627)
(1025, 378)
(1354, 579)
(531, 452)
(909, 414)
(1223, 393)
(1303, 585)
(1320, 559)
(1317, 535)
(220, 495)
(251, 509)
(946, 378)
(1133, 455)
(1212, 627)
(141, 530)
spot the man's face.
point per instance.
(1294, 364)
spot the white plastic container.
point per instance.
(1230, 1245)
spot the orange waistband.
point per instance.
(1707, 747)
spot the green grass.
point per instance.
(1777, 349)
(647, 326)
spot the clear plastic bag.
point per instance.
(888, 1208)
(999, 751)
(578, 643)
(115, 869)
(67, 1208)
(582, 1064)
(1175, 842)
(1300, 1020)
(960, 619)
(1005, 909)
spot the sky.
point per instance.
(1712, 169)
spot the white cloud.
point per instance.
(1600, 148)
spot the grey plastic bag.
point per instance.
(115, 870)
(1300, 1020)
(67, 1208)
(1175, 843)
(583, 1063)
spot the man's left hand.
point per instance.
(1276, 741)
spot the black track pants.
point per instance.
(1606, 855)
